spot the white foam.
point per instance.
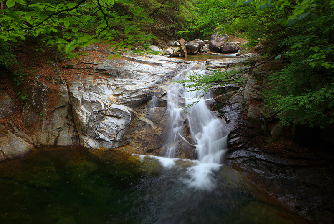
(166, 162)
(200, 176)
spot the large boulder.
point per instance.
(194, 46)
(220, 44)
(230, 47)
(216, 42)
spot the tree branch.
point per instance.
(104, 15)
(57, 13)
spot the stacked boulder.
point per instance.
(217, 44)
(220, 44)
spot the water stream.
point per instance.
(74, 186)
(207, 131)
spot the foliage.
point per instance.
(6, 55)
(228, 17)
(69, 24)
(299, 32)
(169, 16)
(204, 82)
(201, 83)
(208, 15)
(306, 85)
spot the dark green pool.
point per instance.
(71, 185)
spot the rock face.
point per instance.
(297, 176)
(46, 118)
(12, 146)
(299, 180)
(94, 106)
(7, 105)
(47, 113)
(109, 100)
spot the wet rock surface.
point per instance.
(300, 179)
(195, 46)
(261, 148)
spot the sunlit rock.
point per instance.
(108, 103)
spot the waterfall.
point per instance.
(207, 130)
(174, 98)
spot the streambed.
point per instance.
(72, 185)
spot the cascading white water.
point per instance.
(209, 132)
(173, 96)
(175, 103)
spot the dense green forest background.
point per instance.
(299, 33)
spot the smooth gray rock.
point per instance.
(230, 47)
(195, 46)
(104, 106)
(12, 146)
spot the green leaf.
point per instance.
(10, 3)
(66, 24)
(22, 2)
(326, 65)
(137, 11)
